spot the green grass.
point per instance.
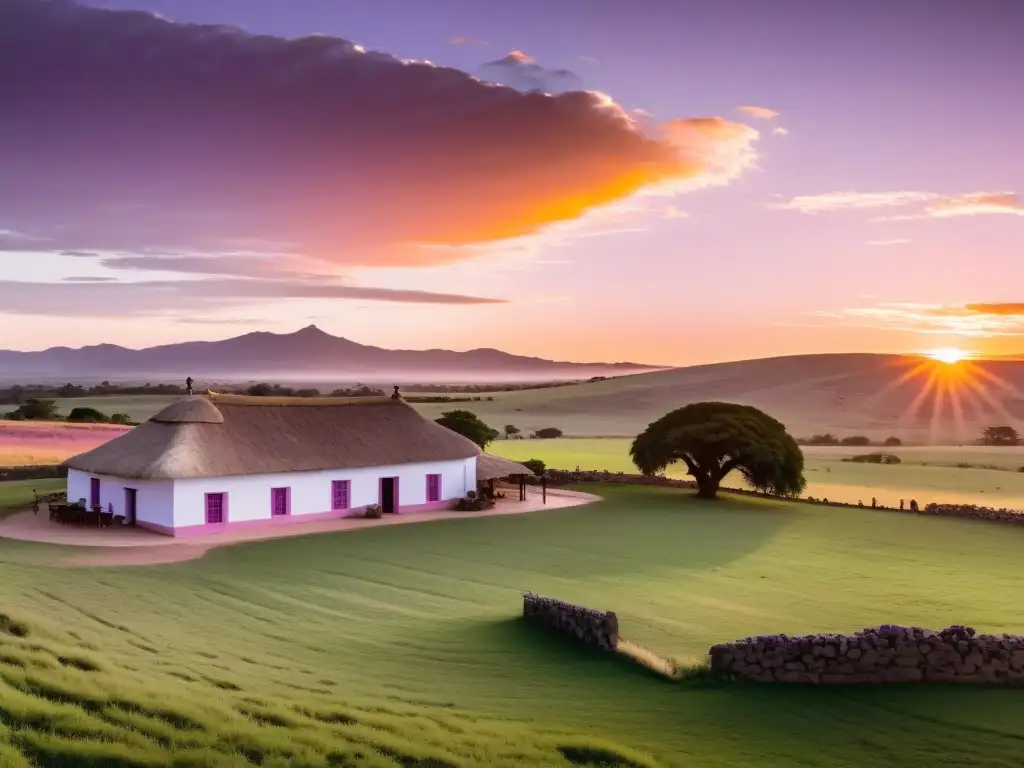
(397, 644)
(927, 473)
(17, 494)
(138, 407)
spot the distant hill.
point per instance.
(845, 394)
(309, 352)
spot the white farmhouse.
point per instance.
(215, 462)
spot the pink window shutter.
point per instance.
(340, 494)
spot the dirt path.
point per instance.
(110, 547)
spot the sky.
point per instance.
(659, 181)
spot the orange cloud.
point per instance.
(974, 320)
(463, 40)
(933, 205)
(977, 204)
(519, 56)
(1012, 308)
(761, 113)
(356, 157)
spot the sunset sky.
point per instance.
(705, 180)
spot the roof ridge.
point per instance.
(223, 398)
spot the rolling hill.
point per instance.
(309, 352)
(847, 394)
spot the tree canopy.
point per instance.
(1003, 435)
(35, 410)
(712, 439)
(468, 424)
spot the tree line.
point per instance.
(19, 394)
(471, 426)
(852, 440)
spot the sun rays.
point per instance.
(949, 387)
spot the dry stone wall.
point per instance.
(888, 654)
(598, 629)
(973, 511)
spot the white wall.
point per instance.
(154, 499)
(249, 495)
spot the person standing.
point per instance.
(188, 386)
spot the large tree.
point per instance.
(468, 424)
(713, 439)
(1004, 435)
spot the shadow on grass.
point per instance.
(532, 645)
(633, 531)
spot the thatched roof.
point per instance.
(220, 435)
(490, 467)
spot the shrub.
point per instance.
(825, 439)
(548, 433)
(536, 466)
(120, 418)
(88, 416)
(875, 458)
(473, 503)
(855, 440)
(35, 410)
(373, 512)
(893, 441)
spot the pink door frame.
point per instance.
(287, 492)
(395, 496)
(223, 508)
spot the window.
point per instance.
(216, 508)
(433, 488)
(340, 494)
(280, 502)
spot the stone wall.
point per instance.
(973, 511)
(888, 654)
(598, 629)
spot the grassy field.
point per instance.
(17, 495)
(28, 442)
(400, 646)
(926, 474)
(966, 474)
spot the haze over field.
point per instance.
(919, 400)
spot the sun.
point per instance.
(948, 355)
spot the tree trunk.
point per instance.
(707, 486)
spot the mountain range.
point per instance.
(308, 353)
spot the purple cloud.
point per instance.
(519, 70)
(162, 297)
(123, 131)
